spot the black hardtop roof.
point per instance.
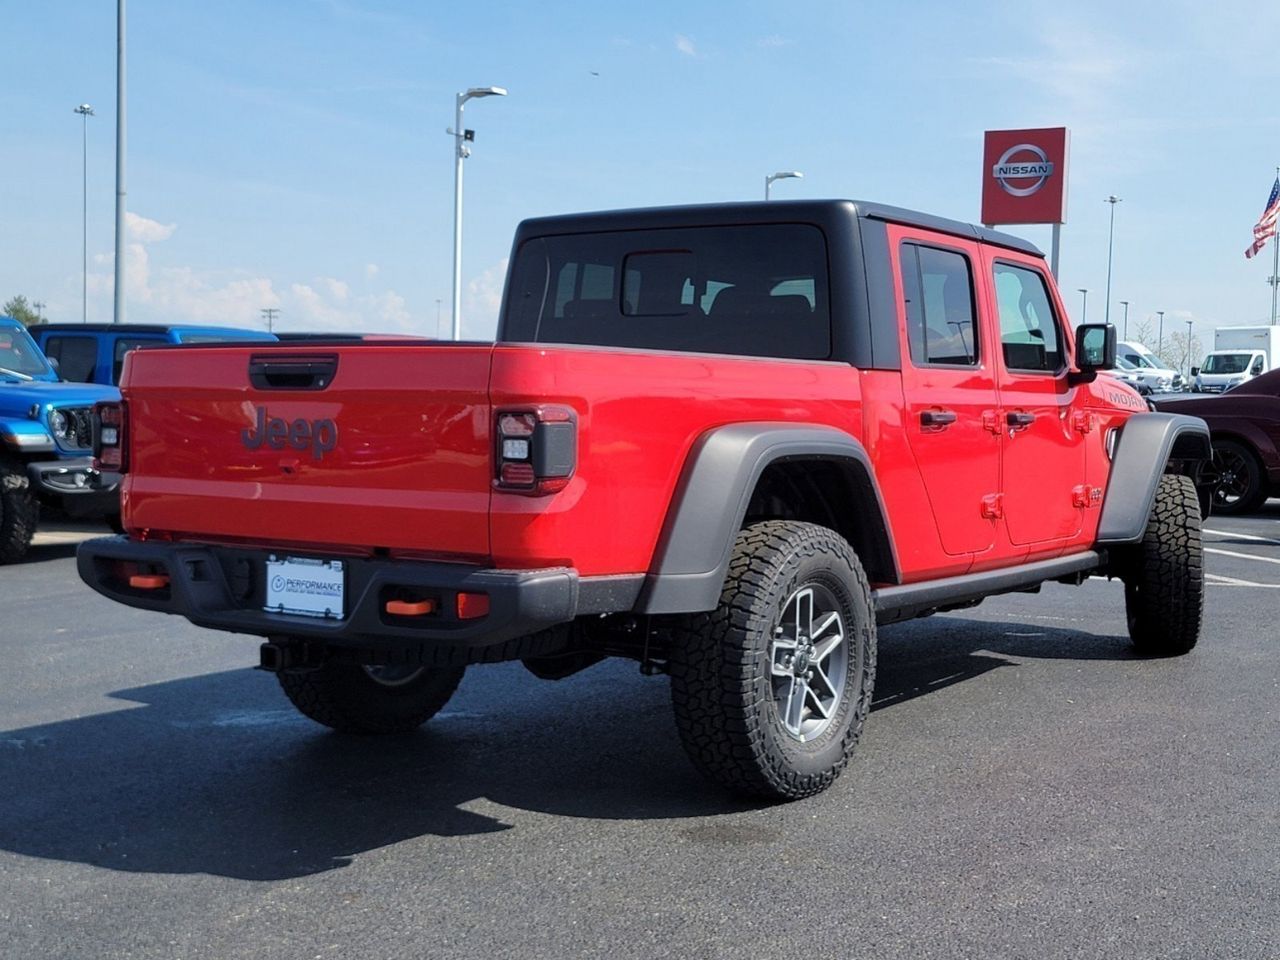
(820, 212)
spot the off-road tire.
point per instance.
(347, 698)
(721, 662)
(1164, 579)
(19, 512)
(1241, 458)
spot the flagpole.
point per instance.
(1275, 267)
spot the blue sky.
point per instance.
(293, 154)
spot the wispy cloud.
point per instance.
(145, 230)
(686, 45)
(156, 291)
(482, 302)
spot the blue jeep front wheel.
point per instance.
(18, 511)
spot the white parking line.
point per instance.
(1217, 580)
(1244, 556)
(1243, 536)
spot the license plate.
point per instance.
(313, 588)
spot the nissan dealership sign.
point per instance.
(1024, 176)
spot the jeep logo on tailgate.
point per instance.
(320, 436)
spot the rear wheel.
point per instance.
(771, 689)
(19, 512)
(1240, 486)
(365, 699)
(1164, 582)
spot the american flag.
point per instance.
(1266, 225)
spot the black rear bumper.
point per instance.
(223, 588)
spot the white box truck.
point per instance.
(1239, 354)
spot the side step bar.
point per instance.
(919, 599)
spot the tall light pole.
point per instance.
(1111, 237)
(1160, 336)
(1125, 304)
(118, 315)
(1084, 303)
(461, 150)
(780, 175)
(1188, 357)
(85, 112)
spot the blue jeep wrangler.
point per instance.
(94, 352)
(45, 444)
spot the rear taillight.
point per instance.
(536, 450)
(109, 435)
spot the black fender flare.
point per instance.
(1147, 442)
(711, 499)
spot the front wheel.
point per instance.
(1164, 579)
(771, 689)
(19, 512)
(363, 699)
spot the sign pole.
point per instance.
(1056, 248)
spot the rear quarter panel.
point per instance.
(639, 414)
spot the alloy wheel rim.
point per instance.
(1233, 477)
(809, 662)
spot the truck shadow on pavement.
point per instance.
(217, 774)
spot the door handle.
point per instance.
(1019, 420)
(937, 418)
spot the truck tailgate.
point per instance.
(360, 445)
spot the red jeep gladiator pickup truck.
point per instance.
(726, 441)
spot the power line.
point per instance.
(270, 313)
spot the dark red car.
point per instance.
(1245, 429)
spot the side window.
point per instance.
(938, 286)
(1256, 369)
(123, 346)
(1029, 334)
(657, 283)
(584, 290)
(77, 356)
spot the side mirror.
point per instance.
(1195, 371)
(1095, 350)
(53, 364)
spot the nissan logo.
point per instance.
(1007, 168)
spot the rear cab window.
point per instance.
(77, 356)
(756, 290)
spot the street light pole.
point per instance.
(1160, 336)
(1125, 304)
(1188, 357)
(1111, 236)
(461, 150)
(780, 175)
(118, 315)
(1084, 303)
(85, 112)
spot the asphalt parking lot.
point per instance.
(1025, 788)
